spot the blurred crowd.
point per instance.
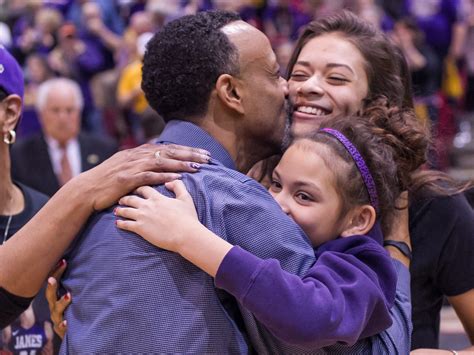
(99, 44)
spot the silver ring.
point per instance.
(157, 154)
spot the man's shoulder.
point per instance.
(216, 177)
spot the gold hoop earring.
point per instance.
(9, 137)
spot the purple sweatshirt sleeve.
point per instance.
(340, 299)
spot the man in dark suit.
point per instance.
(48, 161)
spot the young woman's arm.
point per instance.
(463, 304)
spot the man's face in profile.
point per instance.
(265, 91)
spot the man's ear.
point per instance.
(359, 221)
(12, 108)
(229, 91)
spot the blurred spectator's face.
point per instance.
(402, 34)
(228, 5)
(48, 20)
(67, 44)
(67, 35)
(283, 53)
(91, 14)
(163, 7)
(90, 11)
(60, 115)
(36, 69)
(328, 79)
(141, 22)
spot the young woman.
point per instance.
(335, 183)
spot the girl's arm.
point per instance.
(176, 219)
(338, 300)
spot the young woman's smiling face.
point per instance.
(328, 79)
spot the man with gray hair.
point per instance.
(46, 162)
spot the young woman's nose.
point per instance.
(312, 86)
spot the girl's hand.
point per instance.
(163, 221)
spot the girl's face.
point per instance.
(304, 187)
(328, 79)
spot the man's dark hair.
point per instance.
(183, 62)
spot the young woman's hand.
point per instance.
(163, 221)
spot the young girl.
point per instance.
(441, 220)
(337, 184)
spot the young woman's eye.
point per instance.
(298, 76)
(337, 80)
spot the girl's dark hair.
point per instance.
(393, 144)
(388, 76)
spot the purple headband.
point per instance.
(360, 163)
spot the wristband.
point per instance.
(401, 246)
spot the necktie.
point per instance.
(66, 172)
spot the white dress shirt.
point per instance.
(73, 154)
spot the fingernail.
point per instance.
(178, 177)
(206, 158)
(115, 211)
(205, 152)
(60, 263)
(67, 296)
(195, 165)
(51, 281)
(64, 323)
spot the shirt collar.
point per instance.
(54, 144)
(187, 133)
